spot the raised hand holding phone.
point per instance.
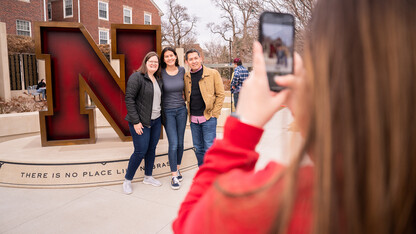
(257, 103)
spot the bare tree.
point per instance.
(239, 25)
(177, 29)
(216, 53)
(300, 9)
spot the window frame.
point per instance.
(107, 31)
(49, 10)
(124, 15)
(144, 18)
(72, 9)
(107, 10)
(17, 27)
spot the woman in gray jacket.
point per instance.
(143, 102)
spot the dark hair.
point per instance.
(162, 57)
(143, 69)
(238, 61)
(191, 51)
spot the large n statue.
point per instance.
(76, 67)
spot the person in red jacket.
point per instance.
(354, 104)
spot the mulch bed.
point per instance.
(21, 104)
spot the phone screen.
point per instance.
(277, 38)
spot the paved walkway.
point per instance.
(107, 210)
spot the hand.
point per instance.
(257, 104)
(138, 128)
(299, 98)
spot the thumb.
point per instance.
(279, 98)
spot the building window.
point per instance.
(49, 11)
(147, 18)
(68, 11)
(127, 16)
(104, 36)
(23, 28)
(103, 10)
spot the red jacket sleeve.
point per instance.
(235, 151)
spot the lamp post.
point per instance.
(230, 41)
(231, 74)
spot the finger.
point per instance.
(273, 93)
(286, 80)
(258, 61)
(279, 99)
(298, 63)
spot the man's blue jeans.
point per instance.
(203, 136)
(175, 129)
(144, 147)
(236, 99)
(43, 92)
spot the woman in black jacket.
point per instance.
(143, 102)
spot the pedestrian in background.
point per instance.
(41, 89)
(239, 76)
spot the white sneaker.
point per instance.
(180, 177)
(152, 181)
(127, 187)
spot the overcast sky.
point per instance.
(206, 13)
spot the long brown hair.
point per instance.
(361, 61)
(162, 57)
(143, 69)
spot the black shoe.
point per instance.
(180, 178)
(174, 183)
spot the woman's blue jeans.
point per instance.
(144, 147)
(175, 129)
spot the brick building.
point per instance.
(19, 15)
(96, 15)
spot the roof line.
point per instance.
(157, 7)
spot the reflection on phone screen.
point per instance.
(278, 47)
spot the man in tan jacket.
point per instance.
(204, 92)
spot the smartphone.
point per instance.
(277, 36)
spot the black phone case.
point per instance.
(270, 75)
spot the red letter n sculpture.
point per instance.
(76, 67)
